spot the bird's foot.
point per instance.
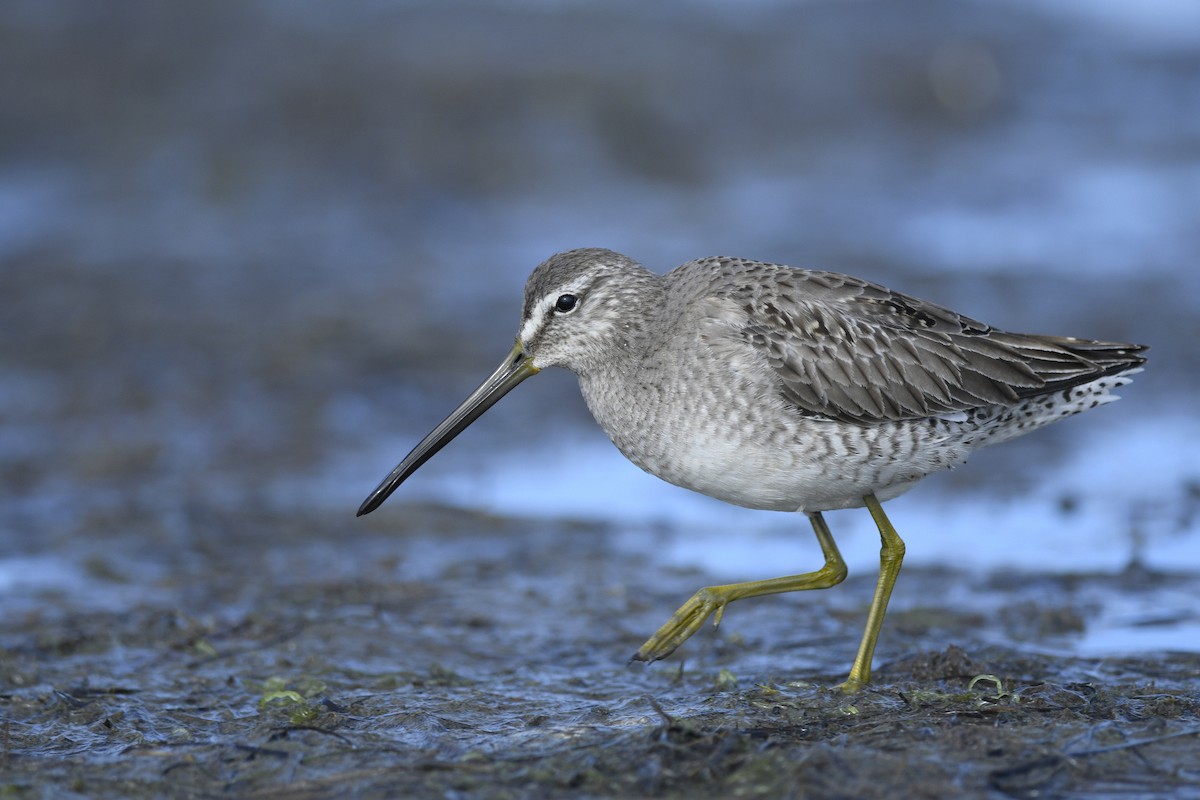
(684, 622)
(851, 686)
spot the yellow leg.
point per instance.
(713, 599)
(891, 555)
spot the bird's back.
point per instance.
(846, 349)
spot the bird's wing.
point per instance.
(847, 349)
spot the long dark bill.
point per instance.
(515, 368)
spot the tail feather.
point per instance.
(1064, 362)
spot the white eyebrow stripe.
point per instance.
(538, 318)
(533, 324)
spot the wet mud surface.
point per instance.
(498, 668)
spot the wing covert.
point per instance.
(846, 349)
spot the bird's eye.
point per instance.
(565, 303)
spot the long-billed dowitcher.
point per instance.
(785, 389)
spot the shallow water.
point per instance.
(249, 255)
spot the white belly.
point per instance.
(755, 452)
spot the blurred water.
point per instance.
(1090, 512)
(250, 252)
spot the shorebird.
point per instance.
(783, 389)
